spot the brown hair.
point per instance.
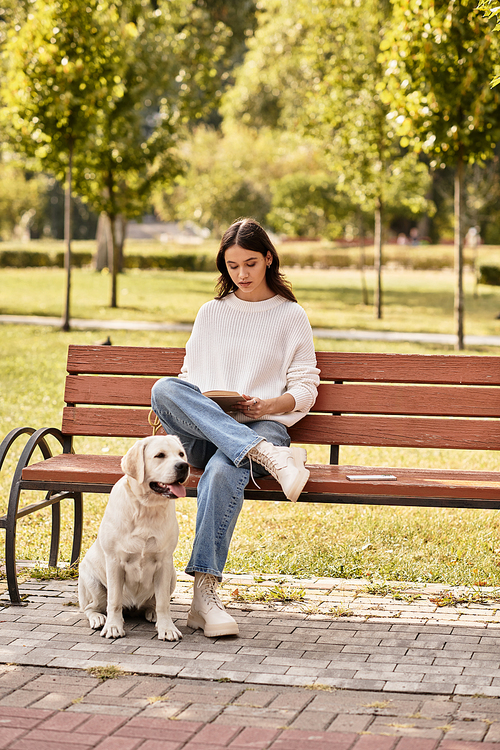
(249, 234)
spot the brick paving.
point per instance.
(343, 665)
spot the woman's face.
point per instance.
(247, 269)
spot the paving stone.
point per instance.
(295, 739)
(350, 723)
(493, 733)
(56, 701)
(119, 743)
(465, 745)
(257, 698)
(199, 712)
(420, 687)
(9, 735)
(313, 720)
(216, 735)
(254, 738)
(292, 699)
(62, 721)
(103, 708)
(412, 727)
(471, 731)
(22, 698)
(374, 742)
(416, 743)
(164, 710)
(159, 729)
(41, 737)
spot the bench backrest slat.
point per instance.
(351, 366)
(410, 368)
(317, 429)
(354, 398)
(434, 401)
(124, 360)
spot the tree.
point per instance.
(22, 198)
(438, 57)
(169, 79)
(493, 12)
(273, 175)
(59, 81)
(115, 87)
(314, 67)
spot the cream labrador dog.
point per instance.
(130, 565)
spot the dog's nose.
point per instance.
(182, 470)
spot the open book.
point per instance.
(225, 399)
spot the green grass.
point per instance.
(447, 546)
(413, 301)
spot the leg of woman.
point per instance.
(184, 411)
(220, 499)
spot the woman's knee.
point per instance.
(164, 390)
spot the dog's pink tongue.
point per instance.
(177, 489)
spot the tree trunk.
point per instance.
(362, 260)
(121, 231)
(67, 237)
(114, 263)
(104, 243)
(378, 260)
(459, 255)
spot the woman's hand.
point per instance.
(252, 407)
(256, 408)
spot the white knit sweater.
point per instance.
(262, 349)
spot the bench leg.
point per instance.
(10, 547)
(55, 534)
(77, 527)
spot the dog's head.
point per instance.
(159, 465)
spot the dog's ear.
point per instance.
(132, 462)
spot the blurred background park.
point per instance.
(364, 136)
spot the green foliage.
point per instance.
(438, 59)
(305, 204)
(493, 12)
(59, 77)
(22, 198)
(235, 172)
(41, 259)
(169, 77)
(489, 275)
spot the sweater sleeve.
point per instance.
(302, 373)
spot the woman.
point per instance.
(255, 339)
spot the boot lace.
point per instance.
(271, 463)
(207, 585)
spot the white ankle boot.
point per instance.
(207, 611)
(286, 465)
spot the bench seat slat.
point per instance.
(69, 468)
(355, 398)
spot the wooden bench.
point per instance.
(399, 400)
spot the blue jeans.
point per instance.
(217, 443)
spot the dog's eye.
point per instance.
(160, 455)
(182, 454)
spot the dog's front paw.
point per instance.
(113, 630)
(96, 619)
(168, 632)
